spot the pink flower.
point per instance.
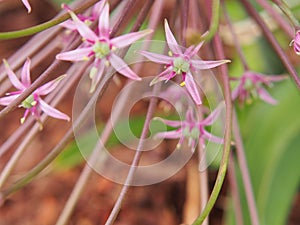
(252, 84)
(33, 103)
(296, 43)
(192, 129)
(181, 63)
(102, 48)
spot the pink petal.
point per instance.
(165, 75)
(203, 65)
(103, 23)
(171, 41)
(171, 123)
(190, 116)
(210, 137)
(265, 96)
(191, 86)
(48, 87)
(12, 77)
(27, 5)
(25, 74)
(97, 76)
(68, 24)
(174, 134)
(127, 39)
(193, 51)
(7, 100)
(158, 58)
(83, 29)
(122, 67)
(50, 111)
(213, 115)
(98, 7)
(79, 54)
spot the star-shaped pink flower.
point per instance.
(181, 63)
(102, 48)
(33, 104)
(252, 85)
(192, 129)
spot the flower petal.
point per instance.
(12, 77)
(213, 115)
(50, 111)
(174, 134)
(191, 86)
(127, 39)
(83, 29)
(122, 67)
(158, 58)
(79, 54)
(210, 137)
(171, 123)
(204, 65)
(265, 96)
(97, 76)
(7, 100)
(50, 86)
(164, 75)
(171, 41)
(103, 23)
(27, 5)
(191, 52)
(25, 74)
(97, 9)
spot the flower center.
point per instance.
(29, 102)
(180, 66)
(101, 49)
(194, 133)
(248, 85)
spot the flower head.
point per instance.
(101, 47)
(252, 85)
(181, 63)
(192, 129)
(296, 43)
(33, 103)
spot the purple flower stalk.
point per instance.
(102, 48)
(181, 63)
(252, 84)
(33, 103)
(192, 129)
(296, 43)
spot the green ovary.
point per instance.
(180, 66)
(101, 49)
(194, 133)
(29, 102)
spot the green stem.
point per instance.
(227, 139)
(214, 24)
(44, 26)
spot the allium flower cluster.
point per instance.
(33, 104)
(101, 48)
(251, 84)
(181, 63)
